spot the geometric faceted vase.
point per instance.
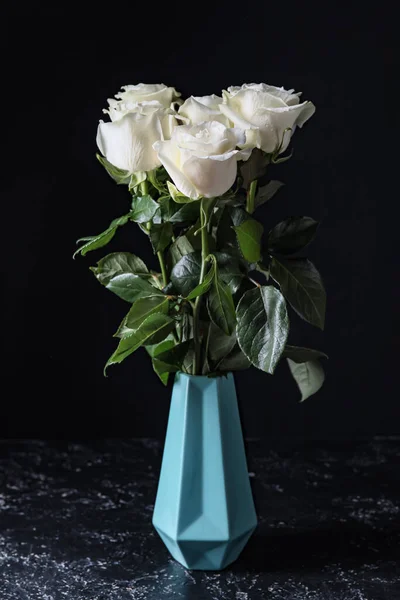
(204, 510)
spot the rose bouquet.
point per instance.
(196, 171)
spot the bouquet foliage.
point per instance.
(196, 172)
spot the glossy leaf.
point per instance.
(220, 305)
(178, 213)
(161, 236)
(185, 274)
(102, 239)
(143, 209)
(185, 324)
(118, 263)
(292, 235)
(309, 377)
(155, 349)
(97, 241)
(263, 326)
(302, 286)
(220, 344)
(225, 235)
(171, 360)
(140, 310)
(229, 270)
(119, 221)
(239, 215)
(179, 248)
(130, 287)
(249, 237)
(154, 329)
(205, 285)
(234, 361)
(267, 192)
(300, 355)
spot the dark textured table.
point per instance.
(75, 524)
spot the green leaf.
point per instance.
(266, 192)
(203, 287)
(292, 235)
(234, 361)
(220, 305)
(185, 324)
(118, 263)
(309, 377)
(119, 221)
(301, 355)
(130, 287)
(187, 365)
(161, 236)
(171, 360)
(229, 270)
(155, 349)
(119, 175)
(220, 344)
(187, 213)
(302, 286)
(178, 213)
(97, 241)
(249, 237)
(179, 248)
(153, 329)
(185, 274)
(254, 168)
(140, 310)
(166, 344)
(225, 235)
(143, 209)
(239, 215)
(263, 326)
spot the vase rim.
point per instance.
(216, 376)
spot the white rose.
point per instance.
(267, 113)
(127, 141)
(132, 95)
(202, 159)
(203, 108)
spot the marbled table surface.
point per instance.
(75, 524)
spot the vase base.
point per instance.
(203, 555)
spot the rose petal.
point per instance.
(127, 143)
(212, 176)
(170, 156)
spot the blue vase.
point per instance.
(204, 510)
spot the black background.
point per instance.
(59, 67)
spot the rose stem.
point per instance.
(160, 255)
(251, 193)
(197, 305)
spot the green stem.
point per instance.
(197, 305)
(161, 260)
(251, 194)
(144, 186)
(160, 255)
